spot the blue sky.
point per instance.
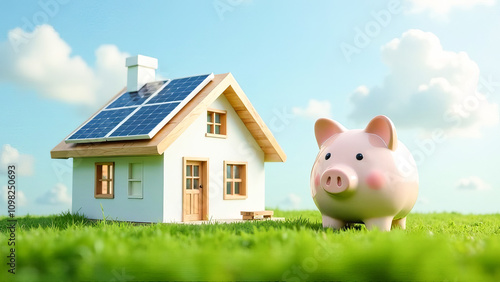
(433, 68)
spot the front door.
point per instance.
(193, 191)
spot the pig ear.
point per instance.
(382, 126)
(326, 128)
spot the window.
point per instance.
(104, 175)
(216, 123)
(235, 180)
(135, 181)
(193, 178)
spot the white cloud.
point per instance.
(472, 183)
(20, 199)
(58, 195)
(42, 61)
(110, 71)
(439, 8)
(11, 156)
(315, 109)
(427, 88)
(290, 202)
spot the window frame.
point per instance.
(243, 180)
(213, 124)
(110, 181)
(131, 180)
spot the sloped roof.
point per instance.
(222, 84)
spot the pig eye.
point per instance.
(328, 155)
(359, 156)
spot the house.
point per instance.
(177, 150)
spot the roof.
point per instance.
(222, 84)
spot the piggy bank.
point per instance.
(363, 176)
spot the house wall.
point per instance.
(238, 146)
(147, 209)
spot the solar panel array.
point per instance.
(141, 114)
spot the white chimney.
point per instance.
(141, 70)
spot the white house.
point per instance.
(168, 151)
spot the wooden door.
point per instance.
(193, 191)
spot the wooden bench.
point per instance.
(252, 215)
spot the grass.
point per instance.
(66, 247)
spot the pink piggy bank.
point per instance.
(363, 176)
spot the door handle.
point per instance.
(201, 186)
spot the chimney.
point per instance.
(141, 70)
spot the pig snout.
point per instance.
(337, 180)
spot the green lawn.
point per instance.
(443, 246)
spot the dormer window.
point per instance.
(216, 123)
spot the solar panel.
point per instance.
(140, 115)
(101, 124)
(144, 120)
(177, 89)
(136, 98)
